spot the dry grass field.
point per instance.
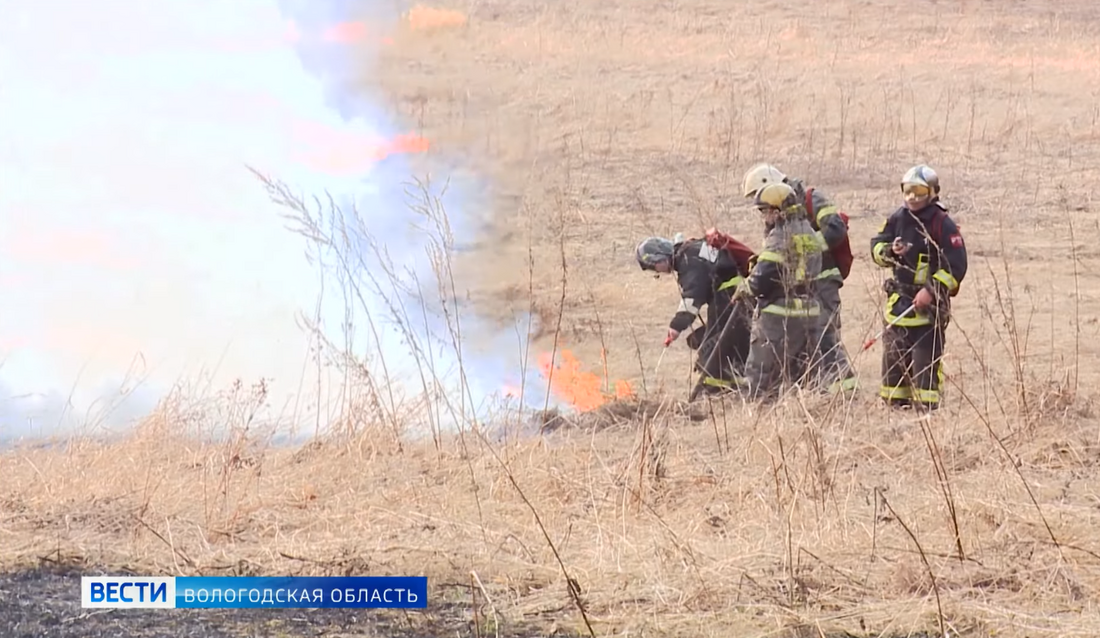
(595, 124)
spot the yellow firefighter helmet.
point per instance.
(760, 176)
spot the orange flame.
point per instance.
(337, 153)
(578, 388)
(419, 18)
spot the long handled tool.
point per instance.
(660, 359)
(893, 322)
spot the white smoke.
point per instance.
(138, 251)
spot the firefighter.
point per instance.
(925, 250)
(706, 276)
(782, 282)
(832, 361)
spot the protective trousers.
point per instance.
(780, 349)
(731, 341)
(912, 368)
(832, 362)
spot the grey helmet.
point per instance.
(653, 251)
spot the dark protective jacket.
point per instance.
(706, 275)
(936, 259)
(825, 218)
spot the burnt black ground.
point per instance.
(45, 603)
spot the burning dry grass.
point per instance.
(622, 413)
(577, 387)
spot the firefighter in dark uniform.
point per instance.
(706, 276)
(782, 282)
(925, 250)
(833, 364)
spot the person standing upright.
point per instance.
(925, 251)
(832, 363)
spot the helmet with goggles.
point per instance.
(920, 182)
(653, 251)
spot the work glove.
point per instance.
(695, 337)
(672, 335)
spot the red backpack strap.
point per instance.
(937, 232)
(937, 227)
(810, 203)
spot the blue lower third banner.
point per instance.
(245, 592)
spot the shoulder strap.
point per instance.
(937, 226)
(810, 202)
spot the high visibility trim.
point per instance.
(808, 243)
(687, 304)
(878, 253)
(724, 383)
(717, 383)
(731, 283)
(927, 396)
(920, 276)
(825, 274)
(825, 212)
(793, 308)
(931, 397)
(845, 385)
(946, 279)
(910, 321)
(895, 393)
(767, 255)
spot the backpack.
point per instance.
(842, 254)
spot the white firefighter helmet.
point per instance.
(921, 175)
(760, 176)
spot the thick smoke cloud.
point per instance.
(137, 251)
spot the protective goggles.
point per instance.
(916, 190)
